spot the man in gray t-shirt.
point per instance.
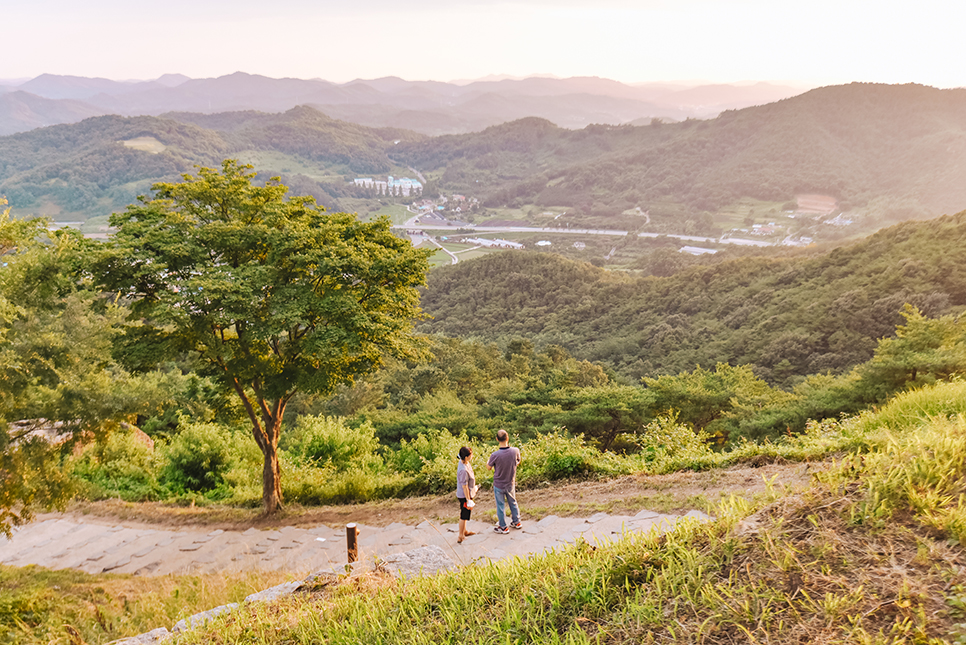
(503, 462)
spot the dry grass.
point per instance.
(41, 606)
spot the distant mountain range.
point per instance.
(880, 154)
(428, 107)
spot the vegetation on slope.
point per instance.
(787, 318)
(86, 169)
(893, 149)
(43, 606)
(871, 553)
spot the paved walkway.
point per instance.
(67, 542)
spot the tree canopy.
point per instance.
(274, 295)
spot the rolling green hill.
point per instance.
(892, 152)
(786, 317)
(101, 164)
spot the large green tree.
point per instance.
(273, 294)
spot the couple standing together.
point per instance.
(503, 462)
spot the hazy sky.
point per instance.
(812, 43)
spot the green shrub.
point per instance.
(329, 442)
(309, 485)
(667, 445)
(244, 476)
(436, 455)
(123, 466)
(911, 409)
(556, 455)
(198, 458)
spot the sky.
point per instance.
(819, 42)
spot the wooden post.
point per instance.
(351, 542)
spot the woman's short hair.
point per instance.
(464, 453)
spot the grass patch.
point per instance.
(398, 213)
(272, 161)
(145, 144)
(37, 605)
(761, 212)
(440, 258)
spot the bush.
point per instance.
(667, 445)
(556, 455)
(432, 457)
(124, 466)
(329, 442)
(308, 485)
(912, 409)
(198, 458)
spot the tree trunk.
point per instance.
(271, 482)
(271, 474)
(266, 428)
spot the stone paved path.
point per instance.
(81, 543)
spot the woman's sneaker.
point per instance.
(501, 529)
(517, 525)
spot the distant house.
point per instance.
(761, 229)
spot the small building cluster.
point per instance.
(403, 186)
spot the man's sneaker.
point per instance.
(501, 529)
(517, 525)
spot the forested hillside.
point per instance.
(896, 151)
(787, 318)
(85, 169)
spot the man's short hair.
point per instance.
(501, 435)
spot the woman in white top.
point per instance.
(465, 489)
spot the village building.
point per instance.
(392, 186)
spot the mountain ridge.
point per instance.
(614, 102)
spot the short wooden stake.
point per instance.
(351, 542)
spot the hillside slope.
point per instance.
(871, 552)
(898, 150)
(786, 317)
(881, 153)
(101, 164)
